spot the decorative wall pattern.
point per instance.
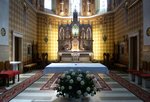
(108, 29)
(98, 27)
(129, 20)
(47, 28)
(103, 26)
(22, 20)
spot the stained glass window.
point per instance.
(103, 6)
(74, 4)
(48, 4)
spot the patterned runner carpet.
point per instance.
(2, 89)
(9, 94)
(51, 83)
(139, 92)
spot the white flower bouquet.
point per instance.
(76, 84)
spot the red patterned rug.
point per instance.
(9, 94)
(2, 89)
(142, 94)
(51, 83)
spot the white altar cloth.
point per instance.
(61, 67)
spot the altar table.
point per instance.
(61, 67)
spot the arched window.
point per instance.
(48, 4)
(74, 4)
(103, 6)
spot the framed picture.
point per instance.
(3, 31)
(122, 48)
(29, 49)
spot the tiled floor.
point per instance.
(34, 94)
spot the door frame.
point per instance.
(20, 36)
(138, 48)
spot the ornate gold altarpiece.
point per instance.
(75, 41)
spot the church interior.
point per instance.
(114, 34)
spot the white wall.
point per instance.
(146, 20)
(4, 23)
(4, 20)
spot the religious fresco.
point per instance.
(75, 36)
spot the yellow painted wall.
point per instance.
(103, 24)
(48, 25)
(23, 22)
(37, 25)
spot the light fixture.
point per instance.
(104, 37)
(45, 39)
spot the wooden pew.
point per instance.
(29, 67)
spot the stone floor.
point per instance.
(34, 94)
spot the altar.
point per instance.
(75, 41)
(61, 67)
(75, 56)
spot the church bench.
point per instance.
(135, 72)
(144, 75)
(6, 75)
(141, 76)
(9, 67)
(29, 67)
(120, 66)
(132, 73)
